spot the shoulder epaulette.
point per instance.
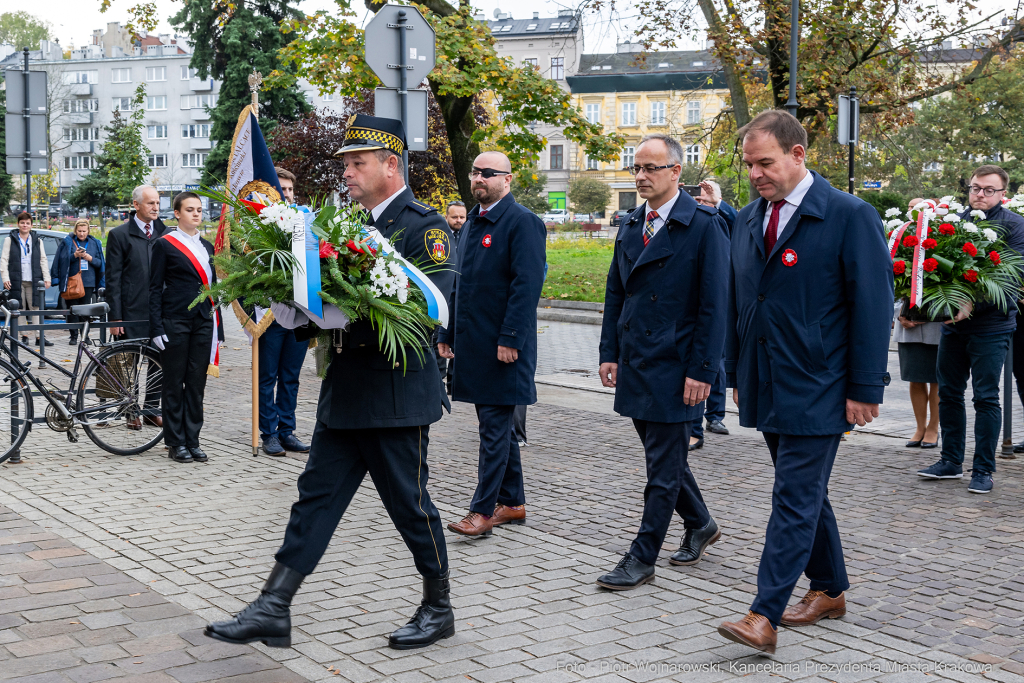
(420, 207)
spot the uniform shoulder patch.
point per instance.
(421, 208)
(438, 245)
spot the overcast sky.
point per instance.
(74, 20)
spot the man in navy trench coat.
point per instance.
(493, 329)
(661, 348)
(810, 311)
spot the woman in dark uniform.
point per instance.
(188, 339)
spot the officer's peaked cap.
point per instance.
(367, 133)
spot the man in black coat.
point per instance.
(373, 416)
(494, 332)
(129, 249)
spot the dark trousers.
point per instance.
(185, 360)
(802, 535)
(85, 299)
(670, 486)
(499, 471)
(714, 407)
(980, 358)
(1018, 357)
(281, 359)
(396, 459)
(519, 423)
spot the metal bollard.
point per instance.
(15, 410)
(42, 323)
(1007, 449)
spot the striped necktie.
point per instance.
(649, 228)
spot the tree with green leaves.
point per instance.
(528, 189)
(588, 195)
(229, 42)
(22, 29)
(122, 158)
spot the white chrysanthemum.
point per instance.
(893, 211)
(946, 200)
(970, 227)
(403, 294)
(990, 234)
(953, 218)
(979, 214)
(281, 215)
(395, 267)
(894, 223)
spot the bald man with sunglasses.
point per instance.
(501, 254)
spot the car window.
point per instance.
(50, 244)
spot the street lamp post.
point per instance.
(794, 35)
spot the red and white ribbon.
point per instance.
(917, 274)
(895, 237)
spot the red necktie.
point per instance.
(483, 213)
(149, 232)
(649, 228)
(771, 235)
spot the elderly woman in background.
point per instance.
(80, 253)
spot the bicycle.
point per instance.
(106, 401)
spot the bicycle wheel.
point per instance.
(119, 396)
(15, 410)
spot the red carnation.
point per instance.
(929, 243)
(910, 241)
(900, 267)
(930, 264)
(970, 249)
(327, 250)
(994, 257)
(946, 229)
(971, 276)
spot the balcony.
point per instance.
(79, 89)
(201, 84)
(200, 143)
(200, 114)
(81, 147)
(80, 117)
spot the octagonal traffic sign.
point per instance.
(382, 46)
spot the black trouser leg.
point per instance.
(185, 360)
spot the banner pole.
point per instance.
(255, 393)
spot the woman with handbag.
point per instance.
(80, 269)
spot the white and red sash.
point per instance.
(214, 367)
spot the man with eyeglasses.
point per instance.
(493, 331)
(661, 348)
(973, 345)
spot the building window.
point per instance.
(76, 163)
(193, 160)
(692, 156)
(592, 164)
(157, 132)
(531, 61)
(156, 102)
(187, 73)
(657, 113)
(120, 75)
(556, 157)
(196, 130)
(628, 114)
(156, 73)
(329, 97)
(81, 134)
(558, 68)
(157, 160)
(594, 113)
(628, 154)
(80, 106)
(693, 111)
(198, 101)
(81, 77)
(122, 104)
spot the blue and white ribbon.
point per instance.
(437, 303)
(306, 278)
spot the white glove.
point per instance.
(161, 342)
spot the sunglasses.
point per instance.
(486, 173)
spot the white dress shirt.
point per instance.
(663, 213)
(792, 204)
(380, 208)
(195, 245)
(142, 225)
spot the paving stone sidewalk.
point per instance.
(936, 572)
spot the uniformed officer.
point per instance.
(494, 334)
(373, 416)
(661, 346)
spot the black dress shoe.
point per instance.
(925, 444)
(699, 444)
(1019, 447)
(268, 618)
(434, 618)
(913, 444)
(48, 342)
(628, 573)
(73, 340)
(695, 542)
(717, 427)
(198, 455)
(290, 443)
(272, 446)
(179, 454)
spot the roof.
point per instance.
(637, 72)
(545, 26)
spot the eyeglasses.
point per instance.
(486, 173)
(635, 170)
(987, 191)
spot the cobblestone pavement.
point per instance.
(936, 573)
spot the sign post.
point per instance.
(848, 125)
(26, 125)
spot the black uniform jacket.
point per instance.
(174, 284)
(127, 275)
(363, 389)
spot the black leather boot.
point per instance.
(434, 618)
(267, 618)
(695, 542)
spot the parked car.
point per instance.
(50, 239)
(619, 215)
(555, 216)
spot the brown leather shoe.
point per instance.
(753, 630)
(135, 424)
(814, 607)
(473, 524)
(154, 421)
(505, 514)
